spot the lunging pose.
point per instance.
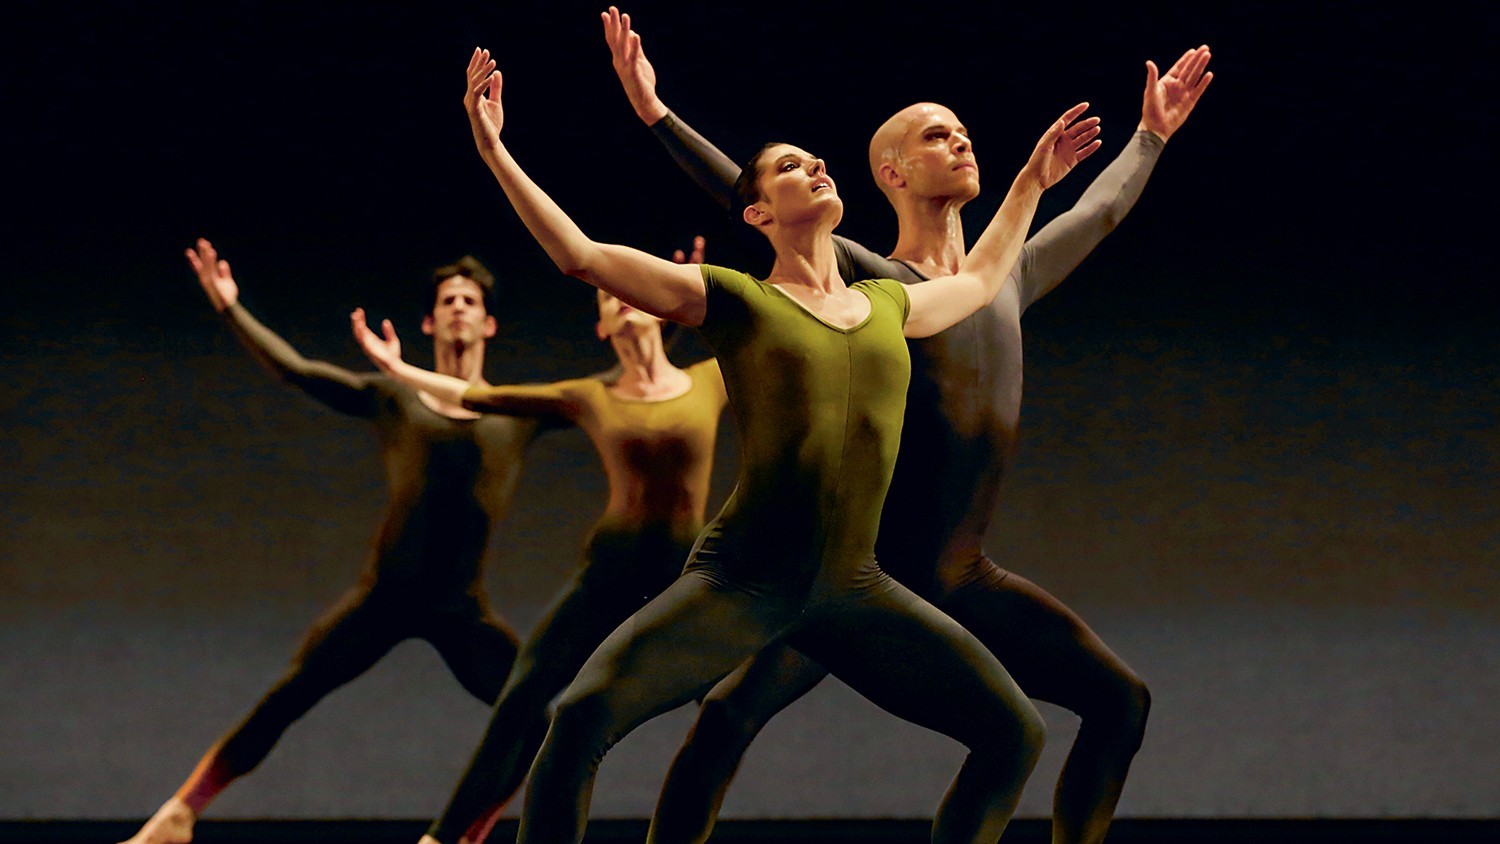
(816, 373)
(450, 472)
(654, 428)
(961, 415)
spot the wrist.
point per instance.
(1029, 183)
(651, 111)
(1157, 131)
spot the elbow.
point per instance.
(1110, 214)
(582, 264)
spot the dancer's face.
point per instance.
(616, 317)
(795, 189)
(934, 157)
(458, 314)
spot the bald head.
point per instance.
(908, 133)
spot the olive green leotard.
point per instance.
(791, 555)
(962, 413)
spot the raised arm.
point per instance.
(340, 389)
(942, 302)
(520, 400)
(668, 290)
(714, 171)
(1058, 248)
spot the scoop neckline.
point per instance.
(806, 310)
(613, 396)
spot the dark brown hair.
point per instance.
(747, 186)
(468, 267)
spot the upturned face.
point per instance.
(795, 188)
(458, 314)
(616, 317)
(936, 157)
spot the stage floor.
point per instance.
(1025, 831)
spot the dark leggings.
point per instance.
(350, 638)
(622, 571)
(1046, 647)
(880, 638)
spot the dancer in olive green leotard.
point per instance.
(450, 474)
(654, 427)
(962, 413)
(816, 374)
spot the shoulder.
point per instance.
(704, 370)
(890, 291)
(731, 297)
(725, 279)
(861, 263)
(708, 380)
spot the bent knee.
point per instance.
(724, 722)
(1136, 705)
(1017, 731)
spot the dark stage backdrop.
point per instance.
(1259, 452)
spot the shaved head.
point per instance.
(888, 141)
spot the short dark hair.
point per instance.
(747, 186)
(468, 267)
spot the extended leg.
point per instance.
(730, 718)
(918, 664)
(339, 647)
(674, 649)
(600, 596)
(1055, 657)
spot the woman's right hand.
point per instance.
(482, 100)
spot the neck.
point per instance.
(932, 234)
(805, 256)
(643, 358)
(460, 360)
(646, 374)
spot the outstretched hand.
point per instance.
(632, 66)
(694, 257)
(482, 100)
(1063, 145)
(1170, 99)
(384, 352)
(214, 275)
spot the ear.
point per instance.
(599, 330)
(490, 327)
(757, 215)
(890, 177)
(429, 326)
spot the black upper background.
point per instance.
(1331, 176)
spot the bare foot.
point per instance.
(172, 824)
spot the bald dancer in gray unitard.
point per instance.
(963, 407)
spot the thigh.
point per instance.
(478, 646)
(1047, 647)
(915, 662)
(347, 640)
(768, 682)
(675, 648)
(580, 617)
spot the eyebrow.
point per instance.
(959, 128)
